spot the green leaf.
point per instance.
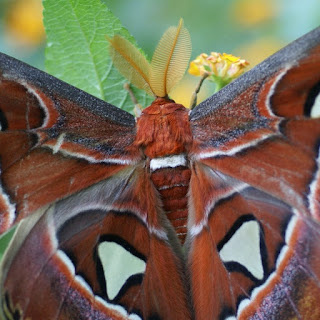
(4, 241)
(77, 49)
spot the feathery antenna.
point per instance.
(170, 59)
(130, 62)
(168, 64)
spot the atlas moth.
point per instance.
(208, 214)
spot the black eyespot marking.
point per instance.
(3, 121)
(311, 99)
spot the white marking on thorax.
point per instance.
(168, 162)
(244, 247)
(118, 265)
(315, 110)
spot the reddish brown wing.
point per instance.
(254, 193)
(55, 140)
(95, 246)
(102, 253)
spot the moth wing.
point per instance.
(101, 253)
(55, 140)
(251, 255)
(256, 177)
(264, 128)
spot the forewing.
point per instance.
(55, 140)
(255, 187)
(265, 130)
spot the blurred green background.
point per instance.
(252, 29)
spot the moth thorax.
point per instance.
(164, 135)
(163, 129)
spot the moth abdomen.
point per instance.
(164, 136)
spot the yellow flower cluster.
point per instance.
(219, 67)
